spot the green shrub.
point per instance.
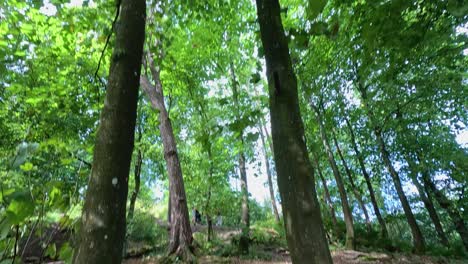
(144, 228)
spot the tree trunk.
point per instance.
(418, 239)
(427, 202)
(180, 241)
(208, 197)
(327, 196)
(355, 189)
(445, 203)
(245, 219)
(301, 210)
(131, 208)
(383, 226)
(348, 217)
(102, 232)
(136, 190)
(270, 180)
(413, 174)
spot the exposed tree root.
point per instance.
(182, 254)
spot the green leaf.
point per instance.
(5, 228)
(28, 166)
(20, 207)
(66, 253)
(51, 251)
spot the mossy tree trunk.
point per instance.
(103, 226)
(301, 211)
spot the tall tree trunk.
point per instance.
(180, 241)
(268, 171)
(245, 218)
(355, 189)
(348, 217)
(413, 174)
(136, 190)
(327, 196)
(383, 226)
(103, 219)
(418, 239)
(301, 210)
(427, 202)
(444, 202)
(208, 199)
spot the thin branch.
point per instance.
(117, 12)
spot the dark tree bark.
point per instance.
(327, 196)
(269, 176)
(383, 226)
(301, 210)
(245, 217)
(348, 217)
(180, 241)
(418, 239)
(354, 188)
(103, 219)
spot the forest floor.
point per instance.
(221, 251)
(280, 255)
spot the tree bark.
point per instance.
(348, 217)
(269, 176)
(301, 210)
(383, 226)
(180, 241)
(418, 239)
(355, 189)
(327, 196)
(103, 219)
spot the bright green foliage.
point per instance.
(409, 55)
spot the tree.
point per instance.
(304, 228)
(360, 158)
(418, 239)
(180, 243)
(245, 217)
(268, 171)
(349, 173)
(350, 240)
(102, 232)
